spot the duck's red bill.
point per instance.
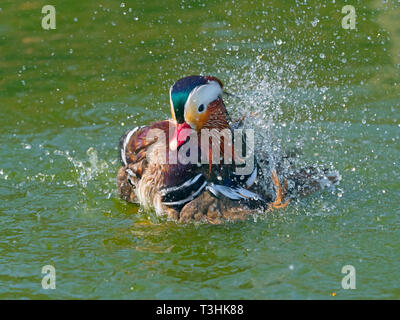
(182, 132)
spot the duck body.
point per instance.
(208, 187)
(149, 176)
(145, 167)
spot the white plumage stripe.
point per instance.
(182, 186)
(190, 198)
(126, 140)
(237, 193)
(252, 178)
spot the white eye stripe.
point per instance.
(204, 94)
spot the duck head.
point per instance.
(196, 103)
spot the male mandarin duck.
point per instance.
(153, 175)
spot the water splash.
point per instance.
(276, 104)
(88, 169)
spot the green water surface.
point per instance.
(67, 95)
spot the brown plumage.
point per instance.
(196, 192)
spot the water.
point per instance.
(66, 96)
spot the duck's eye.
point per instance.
(201, 108)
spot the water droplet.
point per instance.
(314, 22)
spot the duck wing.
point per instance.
(133, 148)
(134, 143)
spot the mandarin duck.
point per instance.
(156, 171)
